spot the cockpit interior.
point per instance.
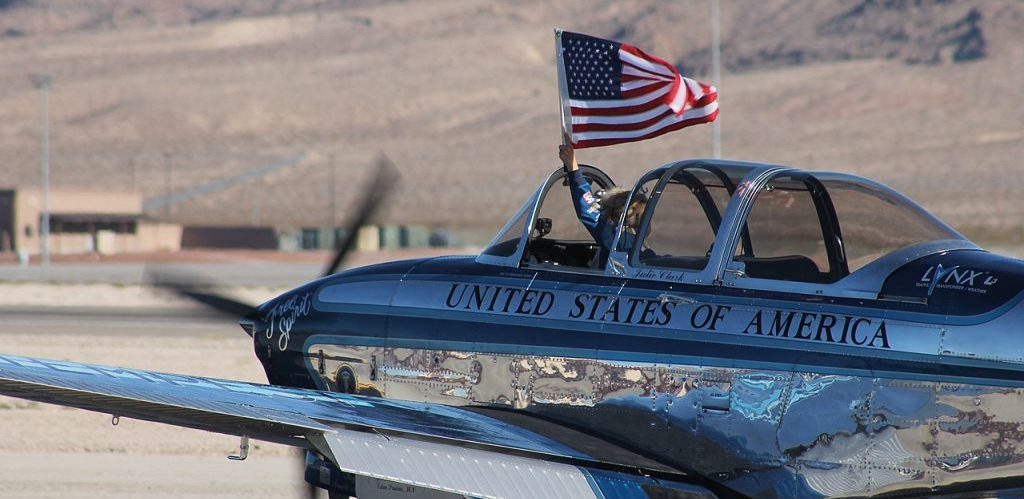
(779, 224)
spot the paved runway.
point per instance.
(110, 475)
(49, 451)
(105, 313)
(257, 273)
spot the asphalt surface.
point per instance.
(270, 274)
(48, 451)
(107, 321)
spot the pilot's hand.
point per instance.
(568, 157)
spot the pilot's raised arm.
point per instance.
(600, 212)
(588, 208)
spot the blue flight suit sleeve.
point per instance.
(588, 210)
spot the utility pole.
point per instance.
(716, 77)
(42, 81)
(332, 193)
(167, 186)
(332, 196)
(257, 203)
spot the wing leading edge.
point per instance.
(428, 445)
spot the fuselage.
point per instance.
(779, 332)
(773, 394)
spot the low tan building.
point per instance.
(81, 221)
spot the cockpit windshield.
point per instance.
(688, 205)
(875, 220)
(737, 224)
(797, 227)
(819, 227)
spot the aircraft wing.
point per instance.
(429, 445)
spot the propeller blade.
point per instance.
(219, 303)
(310, 491)
(377, 189)
(190, 286)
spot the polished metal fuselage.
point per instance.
(770, 396)
(902, 376)
(765, 433)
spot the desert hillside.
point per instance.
(925, 95)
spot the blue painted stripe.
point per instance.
(615, 485)
(594, 486)
(537, 336)
(608, 486)
(478, 273)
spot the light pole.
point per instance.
(167, 186)
(716, 127)
(42, 81)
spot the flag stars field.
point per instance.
(617, 93)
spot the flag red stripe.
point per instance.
(704, 100)
(626, 77)
(614, 127)
(616, 111)
(644, 73)
(661, 131)
(669, 69)
(667, 120)
(597, 126)
(637, 92)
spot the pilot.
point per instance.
(601, 213)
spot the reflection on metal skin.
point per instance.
(765, 433)
(846, 465)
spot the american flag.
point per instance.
(616, 93)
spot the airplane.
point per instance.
(773, 332)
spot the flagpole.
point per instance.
(716, 78)
(563, 90)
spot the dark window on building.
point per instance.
(339, 237)
(310, 239)
(59, 227)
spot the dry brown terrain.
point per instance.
(162, 96)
